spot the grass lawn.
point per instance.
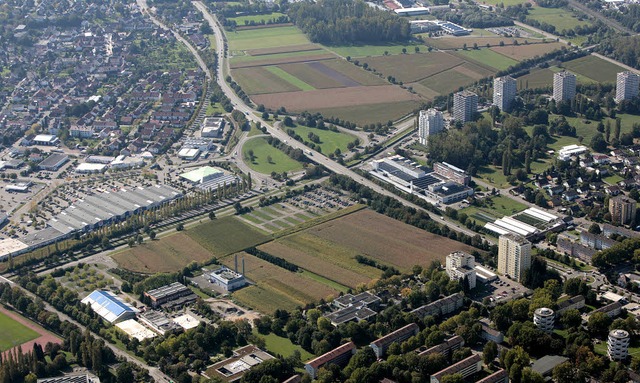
(245, 20)
(214, 109)
(266, 38)
(500, 206)
(280, 162)
(488, 57)
(282, 346)
(558, 17)
(329, 140)
(13, 333)
(288, 77)
(505, 2)
(226, 235)
(612, 180)
(374, 50)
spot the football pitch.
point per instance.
(14, 333)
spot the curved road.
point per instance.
(282, 136)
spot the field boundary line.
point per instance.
(318, 220)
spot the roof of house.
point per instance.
(108, 305)
(331, 355)
(547, 363)
(393, 336)
(461, 365)
(497, 376)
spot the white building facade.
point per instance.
(465, 106)
(514, 256)
(618, 345)
(429, 122)
(564, 86)
(544, 318)
(504, 92)
(461, 266)
(627, 86)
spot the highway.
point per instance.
(313, 155)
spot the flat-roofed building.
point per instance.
(465, 367)
(504, 92)
(452, 173)
(465, 106)
(564, 86)
(381, 345)
(460, 266)
(545, 365)
(53, 162)
(212, 127)
(170, 293)
(430, 122)
(109, 306)
(622, 210)
(514, 256)
(45, 140)
(544, 319)
(354, 308)
(445, 348)
(243, 359)
(228, 279)
(84, 377)
(627, 86)
(612, 309)
(618, 344)
(339, 355)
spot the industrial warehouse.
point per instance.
(91, 212)
(437, 185)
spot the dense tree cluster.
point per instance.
(281, 262)
(628, 15)
(473, 17)
(347, 22)
(624, 49)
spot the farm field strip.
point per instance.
(167, 254)
(285, 49)
(261, 81)
(415, 67)
(371, 113)
(312, 73)
(266, 38)
(523, 52)
(291, 79)
(245, 61)
(594, 68)
(487, 57)
(226, 235)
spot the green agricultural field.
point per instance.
(280, 162)
(375, 50)
(226, 235)
(265, 38)
(558, 17)
(488, 57)
(278, 345)
(372, 113)
(264, 300)
(257, 19)
(329, 140)
(539, 78)
(594, 68)
(506, 3)
(288, 77)
(14, 333)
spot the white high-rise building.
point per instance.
(618, 345)
(429, 122)
(564, 86)
(627, 86)
(504, 92)
(461, 265)
(514, 256)
(543, 319)
(465, 106)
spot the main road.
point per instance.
(223, 69)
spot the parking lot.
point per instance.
(500, 290)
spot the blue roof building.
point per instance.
(109, 306)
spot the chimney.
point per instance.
(236, 264)
(243, 266)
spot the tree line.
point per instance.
(347, 22)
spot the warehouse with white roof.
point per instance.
(109, 306)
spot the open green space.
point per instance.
(288, 77)
(558, 17)
(497, 207)
(257, 19)
(266, 38)
(14, 333)
(264, 300)
(375, 50)
(278, 345)
(594, 68)
(238, 59)
(226, 235)
(371, 113)
(263, 152)
(329, 140)
(488, 57)
(506, 3)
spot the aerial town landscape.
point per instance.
(262, 191)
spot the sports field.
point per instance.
(267, 158)
(19, 331)
(14, 333)
(167, 254)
